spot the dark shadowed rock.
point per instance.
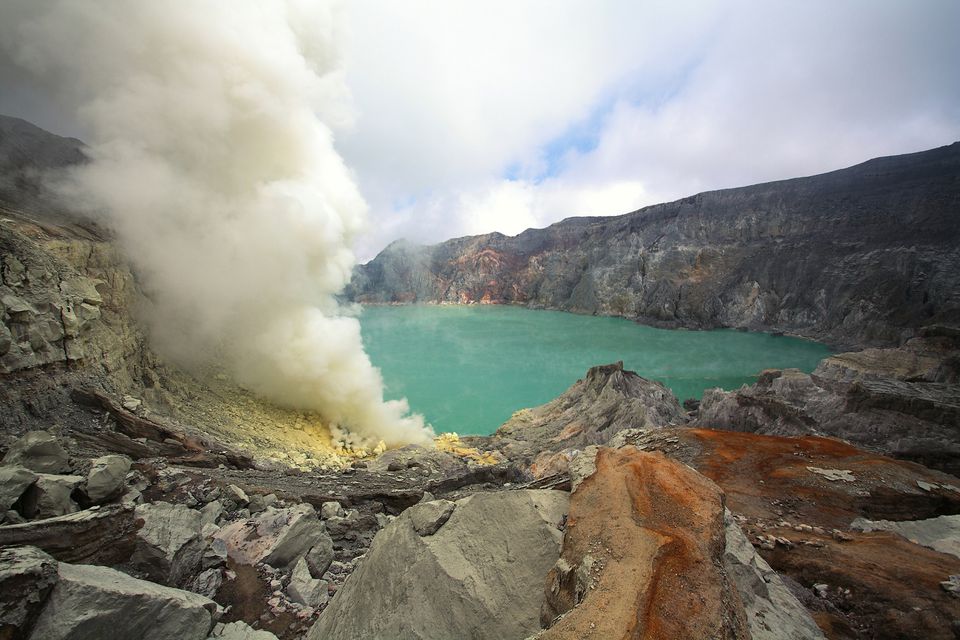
(479, 576)
(27, 575)
(772, 611)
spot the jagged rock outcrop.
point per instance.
(478, 575)
(643, 556)
(904, 401)
(606, 400)
(859, 256)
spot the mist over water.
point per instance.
(210, 125)
(467, 369)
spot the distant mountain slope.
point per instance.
(858, 256)
(27, 153)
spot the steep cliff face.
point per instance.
(855, 257)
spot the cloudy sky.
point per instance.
(470, 117)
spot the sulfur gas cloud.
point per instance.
(210, 132)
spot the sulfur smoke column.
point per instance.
(209, 125)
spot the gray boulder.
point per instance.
(331, 509)
(211, 512)
(91, 603)
(106, 478)
(50, 496)
(169, 545)
(27, 575)
(480, 575)
(14, 481)
(239, 631)
(320, 556)
(304, 588)
(773, 612)
(38, 451)
(428, 517)
(276, 536)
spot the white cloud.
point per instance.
(678, 98)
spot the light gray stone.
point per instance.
(38, 451)
(320, 556)
(106, 478)
(50, 496)
(773, 612)
(941, 534)
(331, 509)
(92, 603)
(240, 631)
(207, 582)
(27, 575)
(304, 588)
(275, 536)
(480, 576)
(238, 495)
(211, 512)
(169, 545)
(428, 517)
(14, 481)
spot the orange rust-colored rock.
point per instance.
(880, 585)
(642, 556)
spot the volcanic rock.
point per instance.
(27, 575)
(106, 478)
(50, 496)
(304, 588)
(607, 400)
(772, 611)
(38, 451)
(239, 631)
(99, 602)
(644, 542)
(479, 576)
(942, 534)
(169, 544)
(276, 537)
(14, 481)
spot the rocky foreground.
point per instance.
(607, 513)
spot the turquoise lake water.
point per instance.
(468, 368)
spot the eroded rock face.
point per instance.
(98, 602)
(480, 575)
(853, 257)
(643, 555)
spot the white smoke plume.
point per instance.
(209, 125)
